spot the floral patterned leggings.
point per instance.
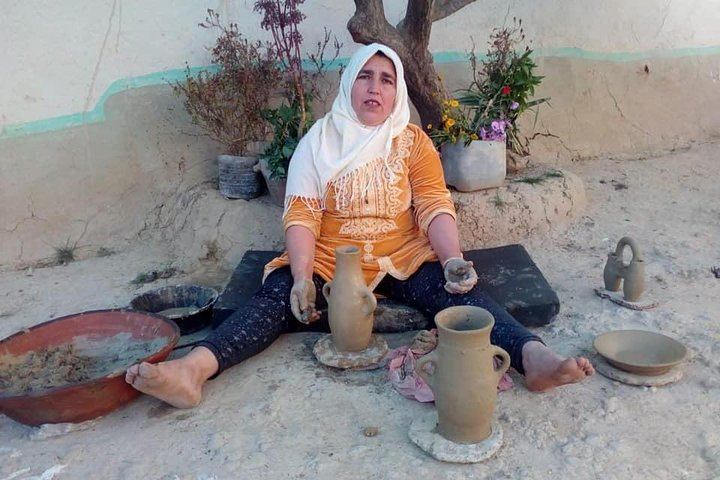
(267, 314)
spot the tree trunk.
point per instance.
(410, 39)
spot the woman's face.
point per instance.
(373, 93)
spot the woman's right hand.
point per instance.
(302, 301)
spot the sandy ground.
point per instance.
(280, 415)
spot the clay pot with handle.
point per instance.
(631, 275)
(351, 304)
(465, 378)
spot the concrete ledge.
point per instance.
(517, 211)
(499, 216)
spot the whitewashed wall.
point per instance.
(97, 151)
(59, 58)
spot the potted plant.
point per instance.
(228, 100)
(288, 127)
(480, 122)
(473, 156)
(301, 89)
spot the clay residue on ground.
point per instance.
(281, 415)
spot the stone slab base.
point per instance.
(370, 358)
(618, 298)
(607, 370)
(423, 433)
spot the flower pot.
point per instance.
(276, 186)
(480, 165)
(237, 178)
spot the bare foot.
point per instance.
(177, 382)
(545, 369)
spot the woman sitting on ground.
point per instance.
(362, 176)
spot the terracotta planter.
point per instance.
(237, 178)
(276, 186)
(480, 165)
(465, 378)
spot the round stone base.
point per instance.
(367, 359)
(609, 371)
(423, 433)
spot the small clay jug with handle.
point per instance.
(465, 377)
(632, 274)
(351, 304)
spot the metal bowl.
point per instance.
(190, 306)
(84, 400)
(639, 351)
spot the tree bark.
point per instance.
(410, 39)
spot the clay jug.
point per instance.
(351, 303)
(465, 378)
(632, 274)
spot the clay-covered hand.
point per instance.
(460, 276)
(302, 301)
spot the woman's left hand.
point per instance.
(460, 276)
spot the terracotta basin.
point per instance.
(82, 401)
(639, 351)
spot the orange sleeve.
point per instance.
(430, 196)
(300, 213)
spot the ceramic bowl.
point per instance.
(639, 351)
(190, 306)
(77, 402)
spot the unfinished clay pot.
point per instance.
(465, 378)
(632, 275)
(640, 352)
(350, 303)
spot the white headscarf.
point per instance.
(339, 143)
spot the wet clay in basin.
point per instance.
(72, 368)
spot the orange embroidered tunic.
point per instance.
(388, 221)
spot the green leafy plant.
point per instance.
(291, 120)
(501, 90)
(456, 124)
(65, 254)
(227, 101)
(287, 126)
(498, 201)
(503, 84)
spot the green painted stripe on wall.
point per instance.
(614, 57)
(97, 114)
